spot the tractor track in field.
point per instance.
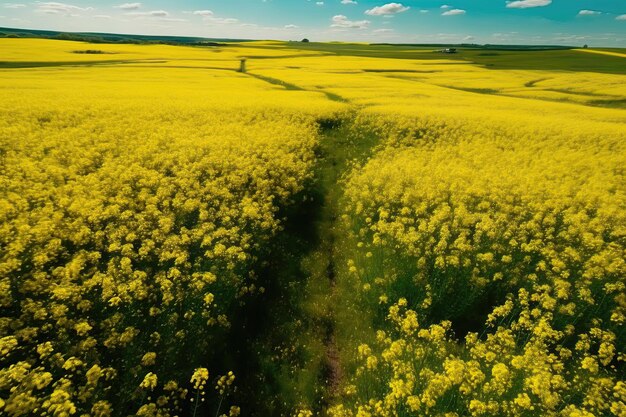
(332, 372)
(340, 147)
(332, 165)
(329, 173)
(336, 151)
(289, 86)
(293, 338)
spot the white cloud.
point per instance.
(387, 9)
(209, 17)
(348, 2)
(445, 6)
(621, 17)
(203, 13)
(566, 37)
(383, 31)
(424, 11)
(14, 5)
(128, 6)
(102, 16)
(222, 20)
(172, 19)
(525, 4)
(59, 8)
(319, 3)
(453, 12)
(153, 13)
(291, 26)
(588, 13)
(341, 21)
(468, 38)
(505, 36)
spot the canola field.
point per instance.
(341, 230)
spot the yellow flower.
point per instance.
(7, 344)
(149, 359)
(590, 364)
(82, 328)
(149, 381)
(199, 378)
(523, 401)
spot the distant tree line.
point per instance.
(97, 38)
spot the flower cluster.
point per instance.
(129, 235)
(501, 250)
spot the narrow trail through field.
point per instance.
(289, 355)
(332, 166)
(339, 148)
(290, 86)
(320, 264)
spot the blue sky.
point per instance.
(570, 22)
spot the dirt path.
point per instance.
(332, 165)
(289, 338)
(338, 149)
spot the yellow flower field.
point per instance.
(477, 215)
(510, 237)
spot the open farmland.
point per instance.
(340, 230)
